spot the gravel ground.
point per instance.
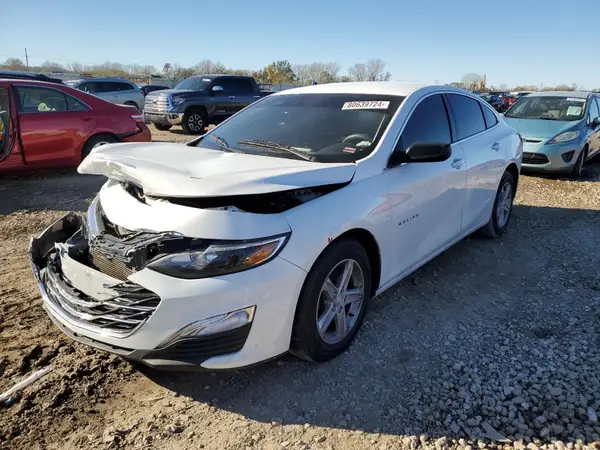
(494, 344)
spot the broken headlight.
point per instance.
(220, 259)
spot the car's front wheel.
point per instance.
(502, 207)
(332, 302)
(194, 121)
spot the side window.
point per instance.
(593, 109)
(75, 105)
(87, 87)
(243, 86)
(467, 115)
(124, 87)
(490, 117)
(36, 99)
(427, 123)
(226, 83)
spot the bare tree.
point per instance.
(372, 70)
(207, 66)
(319, 72)
(472, 81)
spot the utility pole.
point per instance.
(26, 58)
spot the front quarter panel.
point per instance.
(360, 205)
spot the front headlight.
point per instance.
(564, 137)
(177, 100)
(220, 259)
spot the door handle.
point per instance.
(86, 118)
(496, 146)
(256, 97)
(457, 163)
(232, 97)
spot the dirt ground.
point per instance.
(442, 354)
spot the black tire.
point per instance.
(577, 169)
(494, 229)
(99, 139)
(134, 104)
(306, 342)
(162, 127)
(194, 121)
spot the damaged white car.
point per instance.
(271, 232)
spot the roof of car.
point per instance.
(28, 81)
(574, 94)
(82, 80)
(364, 87)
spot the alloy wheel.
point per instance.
(340, 301)
(504, 204)
(195, 122)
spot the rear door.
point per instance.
(54, 125)
(479, 132)
(244, 93)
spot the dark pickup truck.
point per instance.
(200, 100)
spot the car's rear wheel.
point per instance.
(162, 127)
(194, 121)
(97, 141)
(578, 167)
(332, 302)
(502, 207)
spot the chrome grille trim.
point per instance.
(158, 104)
(119, 316)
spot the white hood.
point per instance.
(178, 170)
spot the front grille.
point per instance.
(199, 349)
(109, 266)
(535, 158)
(158, 103)
(120, 315)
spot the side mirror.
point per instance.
(428, 152)
(595, 122)
(217, 88)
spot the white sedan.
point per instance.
(271, 232)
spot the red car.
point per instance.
(50, 125)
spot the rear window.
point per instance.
(322, 127)
(489, 116)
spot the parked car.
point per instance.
(52, 125)
(496, 102)
(201, 100)
(508, 101)
(23, 75)
(152, 88)
(561, 130)
(114, 90)
(520, 94)
(273, 230)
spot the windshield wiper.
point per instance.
(223, 144)
(275, 146)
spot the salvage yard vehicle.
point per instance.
(114, 90)
(561, 130)
(271, 232)
(201, 100)
(50, 125)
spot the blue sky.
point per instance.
(511, 41)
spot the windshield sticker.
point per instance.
(366, 105)
(580, 100)
(349, 149)
(574, 110)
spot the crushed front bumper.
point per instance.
(153, 318)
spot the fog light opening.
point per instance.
(567, 157)
(213, 325)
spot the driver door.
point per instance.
(427, 199)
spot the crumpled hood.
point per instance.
(178, 170)
(544, 129)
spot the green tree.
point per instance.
(278, 72)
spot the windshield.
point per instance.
(194, 84)
(548, 108)
(315, 127)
